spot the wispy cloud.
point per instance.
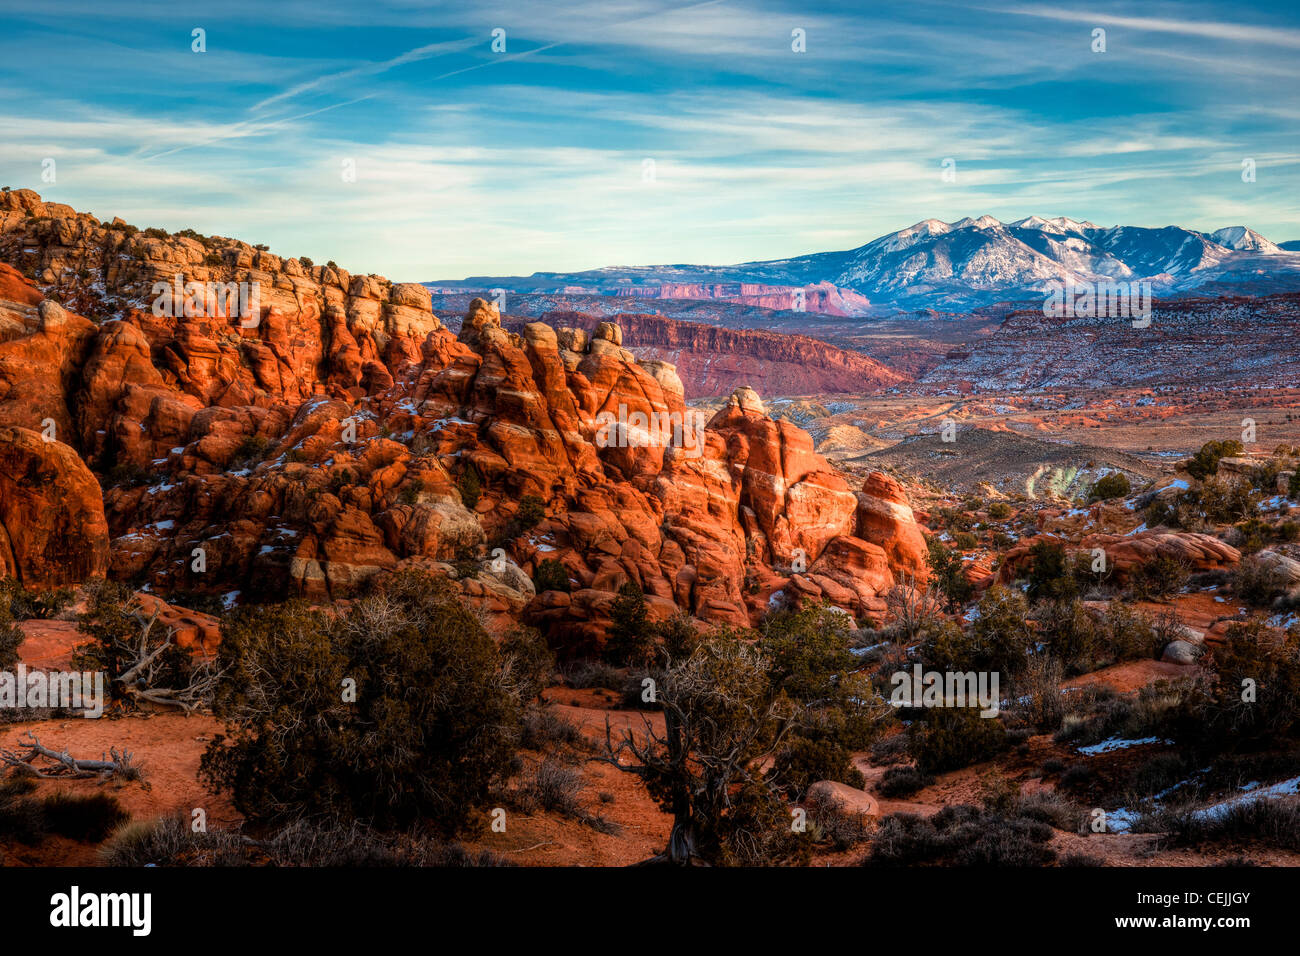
(474, 162)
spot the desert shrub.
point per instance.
(1253, 535)
(1051, 574)
(1001, 633)
(586, 674)
(1161, 709)
(806, 759)
(949, 574)
(551, 575)
(544, 730)
(153, 232)
(11, 638)
(1206, 461)
(839, 713)
(170, 841)
(961, 835)
(120, 637)
(829, 820)
(1272, 823)
(1256, 582)
(526, 663)
(1161, 513)
(20, 816)
(470, 488)
(1048, 807)
(1072, 634)
(902, 782)
(431, 730)
(1257, 691)
(954, 737)
(965, 541)
(23, 604)
(1160, 578)
(532, 509)
(999, 511)
(1159, 773)
(1223, 499)
(1081, 859)
(1128, 635)
(1036, 693)
(88, 817)
(1076, 778)
(889, 751)
(555, 787)
(1112, 485)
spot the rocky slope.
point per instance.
(333, 431)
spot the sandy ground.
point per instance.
(166, 748)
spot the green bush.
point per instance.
(1206, 461)
(1112, 485)
(532, 509)
(1051, 575)
(1160, 578)
(470, 488)
(839, 712)
(950, 738)
(949, 574)
(631, 638)
(899, 782)
(551, 575)
(1257, 583)
(431, 731)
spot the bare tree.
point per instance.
(722, 719)
(913, 607)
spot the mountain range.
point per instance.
(950, 266)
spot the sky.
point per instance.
(391, 137)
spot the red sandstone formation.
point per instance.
(330, 435)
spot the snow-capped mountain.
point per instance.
(970, 262)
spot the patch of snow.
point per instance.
(1119, 743)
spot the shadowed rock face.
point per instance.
(52, 527)
(337, 437)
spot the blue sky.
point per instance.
(471, 162)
